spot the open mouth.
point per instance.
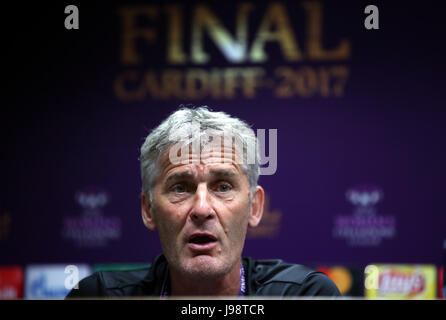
(202, 241)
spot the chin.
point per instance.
(205, 266)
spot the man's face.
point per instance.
(201, 212)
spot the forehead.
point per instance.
(201, 164)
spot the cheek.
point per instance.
(237, 223)
(169, 223)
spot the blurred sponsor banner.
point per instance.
(11, 282)
(442, 284)
(389, 281)
(349, 280)
(119, 266)
(53, 280)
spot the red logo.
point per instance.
(11, 282)
(397, 282)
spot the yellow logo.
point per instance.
(400, 282)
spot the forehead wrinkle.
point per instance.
(198, 171)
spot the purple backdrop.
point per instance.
(374, 130)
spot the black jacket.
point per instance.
(263, 278)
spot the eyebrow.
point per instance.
(222, 173)
(186, 175)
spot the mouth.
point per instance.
(202, 242)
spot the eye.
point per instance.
(179, 188)
(224, 187)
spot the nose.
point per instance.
(202, 210)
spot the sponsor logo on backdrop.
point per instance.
(349, 280)
(53, 281)
(92, 228)
(120, 266)
(11, 282)
(443, 270)
(269, 226)
(5, 225)
(400, 281)
(364, 227)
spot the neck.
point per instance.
(227, 285)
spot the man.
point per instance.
(199, 191)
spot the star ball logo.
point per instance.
(91, 228)
(364, 227)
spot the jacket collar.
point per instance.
(153, 281)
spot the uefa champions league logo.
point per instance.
(364, 199)
(92, 228)
(364, 196)
(92, 200)
(364, 227)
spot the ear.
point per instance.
(256, 207)
(147, 212)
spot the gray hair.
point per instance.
(178, 128)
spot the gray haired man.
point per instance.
(199, 173)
